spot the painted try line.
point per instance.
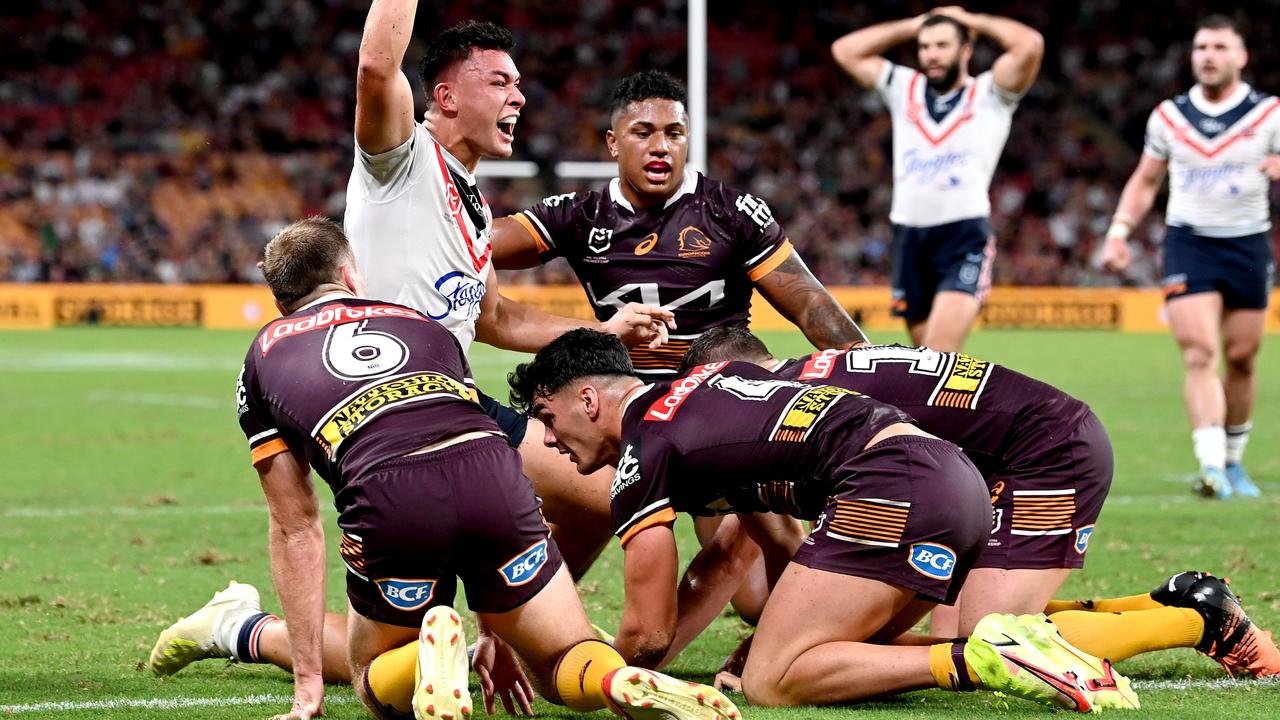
(175, 703)
(180, 703)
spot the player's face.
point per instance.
(570, 430)
(651, 143)
(1217, 57)
(942, 53)
(487, 89)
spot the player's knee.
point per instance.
(761, 688)
(1241, 357)
(1198, 356)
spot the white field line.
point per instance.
(180, 703)
(112, 362)
(174, 703)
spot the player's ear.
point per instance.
(611, 141)
(444, 97)
(590, 400)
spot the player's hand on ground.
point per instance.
(501, 676)
(308, 701)
(1271, 167)
(637, 323)
(730, 675)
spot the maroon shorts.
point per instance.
(911, 511)
(416, 524)
(1045, 504)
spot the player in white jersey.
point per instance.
(949, 129)
(1220, 143)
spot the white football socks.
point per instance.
(1237, 439)
(1210, 445)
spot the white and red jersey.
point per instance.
(1213, 151)
(945, 147)
(420, 231)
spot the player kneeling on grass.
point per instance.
(1047, 462)
(901, 517)
(378, 399)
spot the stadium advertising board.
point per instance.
(250, 306)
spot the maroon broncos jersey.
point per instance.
(991, 412)
(733, 437)
(352, 383)
(697, 256)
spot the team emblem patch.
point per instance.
(1083, 535)
(525, 566)
(406, 594)
(934, 560)
(599, 240)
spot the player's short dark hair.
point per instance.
(1218, 21)
(966, 35)
(574, 355)
(645, 85)
(302, 257)
(455, 45)
(719, 344)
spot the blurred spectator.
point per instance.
(167, 140)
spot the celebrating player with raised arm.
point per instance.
(949, 129)
(1220, 143)
(900, 518)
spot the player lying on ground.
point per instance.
(667, 236)
(1047, 462)
(904, 516)
(378, 399)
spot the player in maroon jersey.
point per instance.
(900, 518)
(1047, 462)
(673, 238)
(378, 399)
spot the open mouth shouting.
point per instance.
(507, 127)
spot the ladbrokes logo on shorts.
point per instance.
(406, 594)
(353, 412)
(524, 567)
(934, 560)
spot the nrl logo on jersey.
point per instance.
(599, 240)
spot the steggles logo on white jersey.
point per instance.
(461, 295)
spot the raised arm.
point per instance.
(512, 325)
(793, 291)
(1135, 202)
(296, 542)
(859, 51)
(384, 98)
(1018, 65)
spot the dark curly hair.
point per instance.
(719, 344)
(455, 45)
(645, 85)
(574, 355)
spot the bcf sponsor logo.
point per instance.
(525, 566)
(664, 408)
(936, 561)
(406, 594)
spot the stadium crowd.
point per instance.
(155, 142)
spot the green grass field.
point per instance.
(126, 499)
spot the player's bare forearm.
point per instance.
(384, 98)
(859, 51)
(512, 325)
(513, 247)
(1140, 190)
(649, 567)
(1023, 46)
(795, 293)
(710, 581)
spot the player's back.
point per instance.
(990, 411)
(419, 228)
(354, 382)
(742, 439)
